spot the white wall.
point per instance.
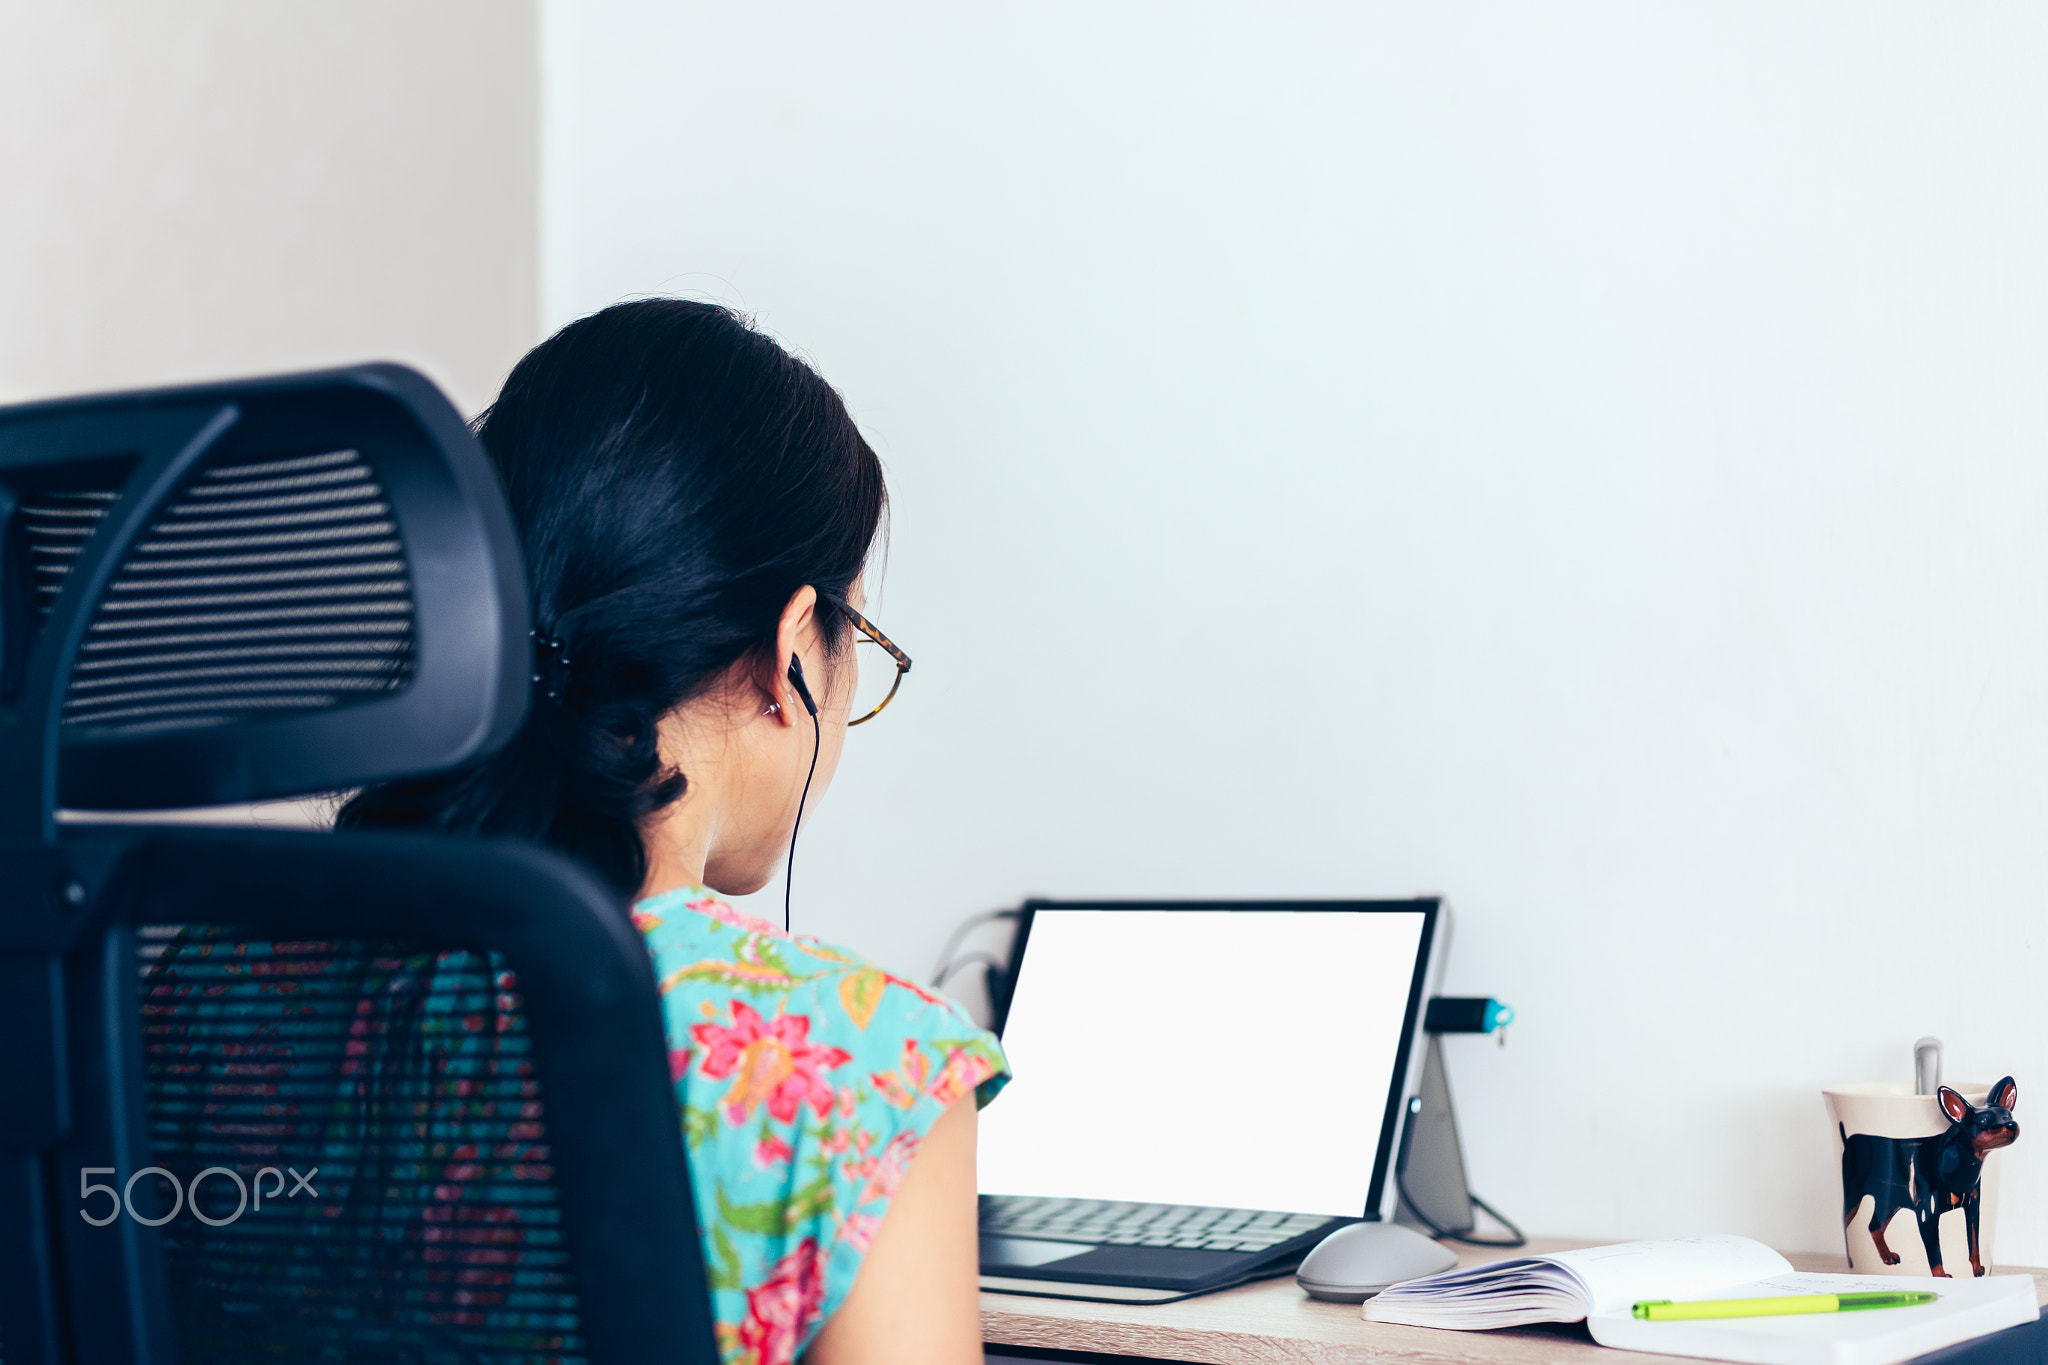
(223, 187)
(1585, 457)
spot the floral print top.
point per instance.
(806, 1077)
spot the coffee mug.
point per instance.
(1909, 1204)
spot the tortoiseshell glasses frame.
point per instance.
(867, 628)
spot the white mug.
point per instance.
(1890, 1110)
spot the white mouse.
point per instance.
(1354, 1263)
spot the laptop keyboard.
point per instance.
(1105, 1222)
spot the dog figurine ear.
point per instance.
(1955, 1106)
(2005, 1094)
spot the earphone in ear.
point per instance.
(796, 680)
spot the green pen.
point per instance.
(1664, 1310)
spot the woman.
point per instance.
(695, 509)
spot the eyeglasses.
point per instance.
(876, 638)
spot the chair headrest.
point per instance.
(254, 589)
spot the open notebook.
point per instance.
(1601, 1285)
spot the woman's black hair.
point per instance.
(675, 476)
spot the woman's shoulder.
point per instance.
(744, 979)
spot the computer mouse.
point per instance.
(1354, 1263)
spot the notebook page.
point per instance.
(1506, 1294)
(1566, 1286)
(1967, 1308)
(1672, 1268)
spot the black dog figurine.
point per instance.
(1929, 1175)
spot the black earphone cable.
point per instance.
(817, 742)
(796, 678)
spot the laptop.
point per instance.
(1203, 1090)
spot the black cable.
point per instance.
(966, 960)
(953, 941)
(1514, 1239)
(1500, 1218)
(817, 743)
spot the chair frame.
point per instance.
(72, 898)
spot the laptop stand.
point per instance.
(1433, 1194)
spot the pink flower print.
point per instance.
(725, 914)
(902, 1086)
(963, 1071)
(887, 1168)
(646, 921)
(918, 991)
(863, 1165)
(780, 1309)
(772, 1062)
(772, 1151)
(678, 1063)
(859, 1230)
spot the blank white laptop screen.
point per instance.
(1237, 1058)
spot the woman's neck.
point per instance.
(678, 842)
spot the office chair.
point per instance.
(276, 1095)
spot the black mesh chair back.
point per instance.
(258, 589)
(270, 1095)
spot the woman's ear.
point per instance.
(793, 630)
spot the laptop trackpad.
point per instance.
(1026, 1251)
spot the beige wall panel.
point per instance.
(215, 187)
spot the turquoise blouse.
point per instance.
(807, 1077)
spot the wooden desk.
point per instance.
(1274, 1323)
